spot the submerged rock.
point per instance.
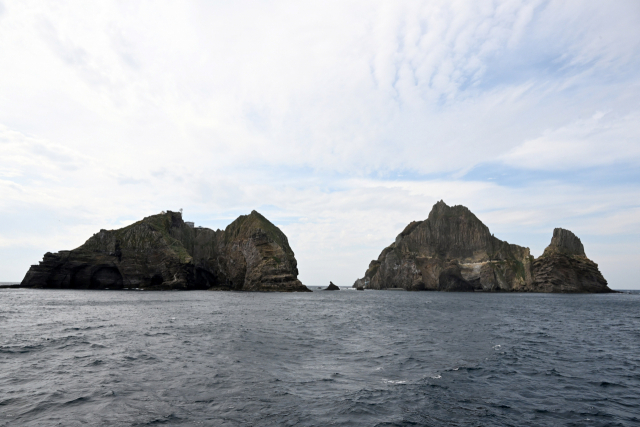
(452, 250)
(332, 287)
(162, 252)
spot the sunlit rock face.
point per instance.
(452, 250)
(162, 252)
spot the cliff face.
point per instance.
(564, 267)
(162, 252)
(452, 250)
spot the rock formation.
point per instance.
(452, 250)
(162, 252)
(564, 267)
(332, 287)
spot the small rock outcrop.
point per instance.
(162, 252)
(564, 267)
(332, 287)
(452, 250)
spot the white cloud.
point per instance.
(599, 140)
(31, 158)
(113, 111)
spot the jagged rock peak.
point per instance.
(564, 267)
(564, 241)
(442, 208)
(441, 214)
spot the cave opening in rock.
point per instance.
(106, 277)
(156, 280)
(205, 279)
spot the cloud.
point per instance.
(602, 139)
(28, 161)
(340, 121)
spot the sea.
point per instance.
(347, 358)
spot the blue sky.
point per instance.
(340, 121)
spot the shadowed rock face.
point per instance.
(162, 252)
(452, 250)
(564, 267)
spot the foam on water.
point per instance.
(348, 358)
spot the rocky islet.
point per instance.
(452, 250)
(162, 252)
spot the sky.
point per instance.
(340, 121)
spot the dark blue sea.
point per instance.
(373, 358)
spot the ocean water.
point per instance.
(373, 358)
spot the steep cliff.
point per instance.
(162, 252)
(452, 250)
(564, 267)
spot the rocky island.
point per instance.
(162, 252)
(452, 250)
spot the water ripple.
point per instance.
(343, 358)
